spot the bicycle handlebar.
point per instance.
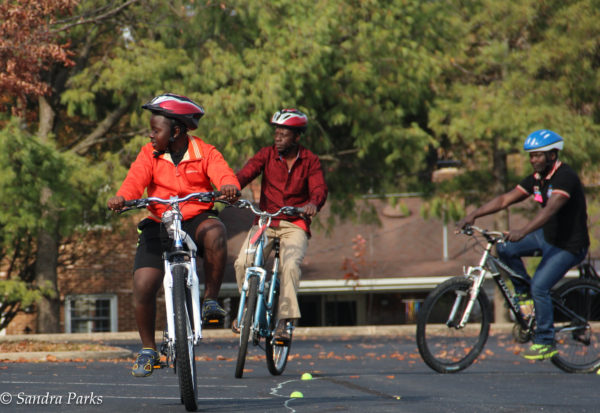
(494, 236)
(197, 196)
(285, 210)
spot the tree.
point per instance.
(362, 71)
(29, 167)
(27, 48)
(40, 86)
(507, 78)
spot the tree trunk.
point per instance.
(48, 314)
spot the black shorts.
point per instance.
(153, 239)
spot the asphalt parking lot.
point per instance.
(350, 372)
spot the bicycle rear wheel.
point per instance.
(444, 346)
(185, 361)
(277, 354)
(246, 327)
(576, 322)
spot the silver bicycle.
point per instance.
(182, 293)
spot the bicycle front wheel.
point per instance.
(444, 345)
(185, 361)
(246, 327)
(576, 322)
(277, 354)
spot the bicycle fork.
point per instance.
(193, 285)
(472, 293)
(261, 273)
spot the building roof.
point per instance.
(402, 246)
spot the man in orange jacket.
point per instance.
(175, 164)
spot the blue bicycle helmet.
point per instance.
(543, 140)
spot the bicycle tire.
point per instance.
(577, 344)
(443, 347)
(246, 327)
(184, 345)
(277, 355)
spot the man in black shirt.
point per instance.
(558, 232)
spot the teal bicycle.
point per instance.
(257, 312)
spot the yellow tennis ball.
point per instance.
(598, 372)
(296, 395)
(306, 376)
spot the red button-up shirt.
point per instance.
(302, 184)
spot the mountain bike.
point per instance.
(182, 293)
(453, 322)
(257, 312)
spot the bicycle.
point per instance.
(182, 293)
(257, 313)
(454, 320)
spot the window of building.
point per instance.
(90, 313)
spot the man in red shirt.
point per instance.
(291, 176)
(174, 163)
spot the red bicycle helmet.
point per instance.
(291, 119)
(177, 107)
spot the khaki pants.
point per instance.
(293, 243)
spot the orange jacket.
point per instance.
(201, 166)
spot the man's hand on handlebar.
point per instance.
(229, 193)
(310, 210)
(116, 203)
(465, 222)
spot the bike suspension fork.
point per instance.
(473, 293)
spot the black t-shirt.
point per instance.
(567, 229)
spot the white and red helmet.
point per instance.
(291, 119)
(177, 107)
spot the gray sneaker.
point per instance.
(147, 360)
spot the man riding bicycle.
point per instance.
(291, 176)
(175, 164)
(558, 232)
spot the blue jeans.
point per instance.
(553, 266)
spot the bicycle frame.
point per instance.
(181, 257)
(489, 265)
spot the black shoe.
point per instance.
(282, 336)
(212, 314)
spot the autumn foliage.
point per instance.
(28, 47)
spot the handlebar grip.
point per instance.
(217, 194)
(293, 211)
(131, 203)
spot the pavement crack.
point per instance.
(355, 386)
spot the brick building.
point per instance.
(355, 274)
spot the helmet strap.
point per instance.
(550, 161)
